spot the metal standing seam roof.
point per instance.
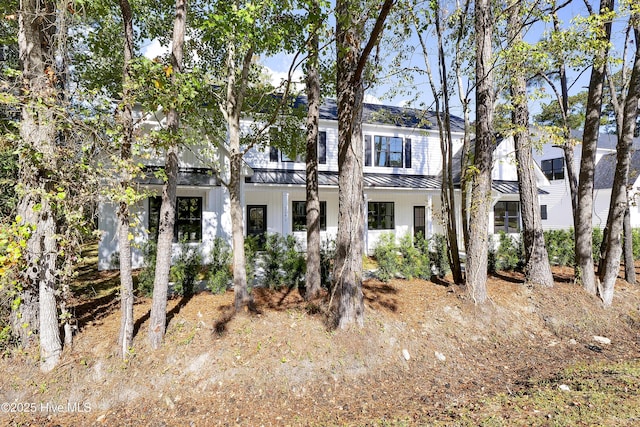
(371, 180)
(194, 177)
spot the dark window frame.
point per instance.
(511, 211)
(553, 169)
(277, 155)
(388, 151)
(299, 219)
(381, 215)
(182, 223)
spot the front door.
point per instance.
(257, 221)
(419, 224)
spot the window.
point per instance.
(188, 222)
(553, 169)
(506, 217)
(543, 211)
(299, 216)
(276, 155)
(381, 216)
(387, 151)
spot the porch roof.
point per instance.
(371, 180)
(196, 177)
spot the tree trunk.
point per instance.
(347, 274)
(584, 211)
(629, 262)
(349, 241)
(567, 145)
(446, 144)
(240, 289)
(37, 163)
(231, 110)
(537, 267)
(480, 203)
(125, 338)
(158, 316)
(619, 198)
(351, 61)
(313, 278)
(466, 144)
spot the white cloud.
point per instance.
(154, 49)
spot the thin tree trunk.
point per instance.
(125, 338)
(313, 278)
(231, 111)
(448, 195)
(480, 203)
(567, 146)
(537, 267)
(158, 316)
(629, 262)
(584, 211)
(38, 132)
(619, 198)
(466, 144)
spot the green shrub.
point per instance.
(185, 269)
(438, 255)
(219, 276)
(386, 255)
(251, 248)
(635, 240)
(415, 257)
(327, 258)
(560, 247)
(596, 244)
(148, 272)
(284, 264)
(508, 255)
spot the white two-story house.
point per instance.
(555, 203)
(402, 186)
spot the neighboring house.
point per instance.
(402, 186)
(555, 205)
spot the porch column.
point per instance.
(429, 217)
(365, 215)
(285, 213)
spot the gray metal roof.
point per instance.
(389, 115)
(606, 167)
(195, 177)
(371, 180)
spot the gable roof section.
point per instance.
(606, 168)
(388, 115)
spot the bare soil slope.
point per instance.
(425, 349)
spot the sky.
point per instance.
(278, 67)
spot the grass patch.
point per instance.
(602, 394)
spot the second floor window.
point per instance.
(381, 216)
(553, 169)
(276, 155)
(299, 216)
(387, 151)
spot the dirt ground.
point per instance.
(425, 349)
